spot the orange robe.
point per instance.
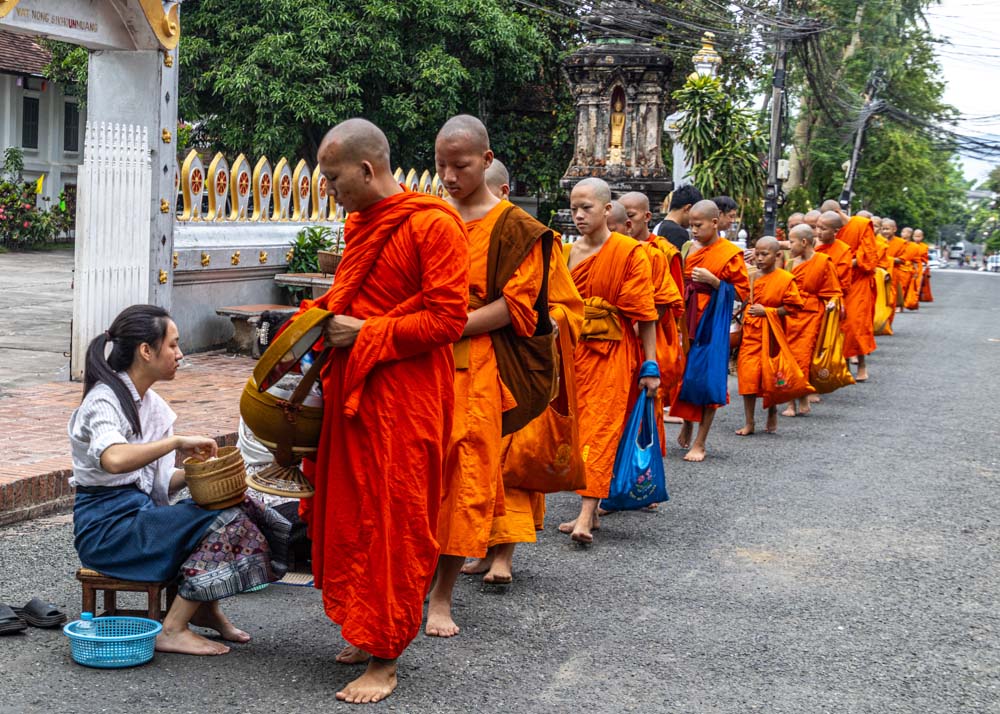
(910, 268)
(619, 278)
(388, 404)
(919, 269)
(817, 282)
(724, 260)
(840, 253)
(774, 289)
(884, 261)
(901, 272)
(473, 487)
(668, 354)
(525, 510)
(859, 296)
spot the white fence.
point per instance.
(112, 231)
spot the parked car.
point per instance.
(993, 263)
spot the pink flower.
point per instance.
(27, 223)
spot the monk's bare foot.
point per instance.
(684, 437)
(500, 574)
(672, 420)
(187, 642)
(789, 411)
(854, 360)
(377, 683)
(582, 535)
(210, 615)
(746, 430)
(696, 454)
(651, 508)
(772, 423)
(352, 655)
(479, 565)
(814, 399)
(803, 411)
(568, 526)
(862, 375)
(439, 621)
(595, 524)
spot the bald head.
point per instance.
(705, 209)
(467, 130)
(830, 204)
(768, 243)
(357, 140)
(598, 188)
(637, 207)
(498, 179)
(704, 221)
(865, 214)
(636, 200)
(888, 229)
(832, 219)
(795, 219)
(918, 236)
(802, 232)
(811, 218)
(354, 158)
(618, 220)
(906, 233)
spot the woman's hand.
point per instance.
(757, 310)
(200, 447)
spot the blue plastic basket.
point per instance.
(118, 642)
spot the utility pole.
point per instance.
(874, 85)
(774, 152)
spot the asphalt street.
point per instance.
(850, 563)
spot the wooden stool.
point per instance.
(92, 581)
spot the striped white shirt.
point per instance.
(100, 422)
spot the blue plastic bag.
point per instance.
(638, 478)
(707, 372)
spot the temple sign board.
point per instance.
(124, 243)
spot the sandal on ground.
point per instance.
(10, 622)
(39, 613)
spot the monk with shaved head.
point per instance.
(397, 306)
(811, 218)
(616, 355)
(618, 220)
(924, 293)
(907, 268)
(771, 288)
(716, 261)
(508, 306)
(816, 278)
(498, 180)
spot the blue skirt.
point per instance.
(121, 533)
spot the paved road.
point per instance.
(848, 564)
(36, 307)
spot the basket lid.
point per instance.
(285, 352)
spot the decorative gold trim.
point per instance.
(168, 59)
(301, 190)
(205, 260)
(289, 255)
(263, 189)
(262, 257)
(165, 24)
(192, 184)
(164, 206)
(282, 188)
(175, 260)
(239, 189)
(6, 6)
(166, 136)
(164, 277)
(235, 260)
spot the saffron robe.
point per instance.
(901, 271)
(840, 253)
(817, 282)
(859, 296)
(616, 285)
(724, 260)
(666, 353)
(908, 270)
(669, 354)
(473, 486)
(388, 403)
(525, 510)
(774, 289)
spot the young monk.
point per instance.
(774, 288)
(915, 252)
(525, 510)
(715, 261)
(896, 247)
(811, 218)
(670, 301)
(924, 292)
(399, 303)
(618, 220)
(816, 278)
(613, 274)
(859, 297)
(473, 487)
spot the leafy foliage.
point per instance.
(22, 222)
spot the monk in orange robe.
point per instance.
(894, 249)
(771, 287)
(883, 261)
(613, 274)
(918, 253)
(399, 303)
(903, 255)
(816, 278)
(835, 249)
(525, 510)
(924, 292)
(715, 260)
(859, 297)
(669, 338)
(473, 487)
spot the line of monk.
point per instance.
(463, 329)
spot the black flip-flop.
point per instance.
(39, 613)
(10, 622)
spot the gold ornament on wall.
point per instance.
(262, 257)
(235, 260)
(168, 59)
(163, 277)
(176, 260)
(164, 206)
(205, 260)
(289, 255)
(166, 136)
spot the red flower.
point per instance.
(27, 224)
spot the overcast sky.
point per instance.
(971, 67)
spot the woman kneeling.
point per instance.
(124, 472)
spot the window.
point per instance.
(29, 123)
(71, 127)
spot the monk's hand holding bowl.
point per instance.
(757, 310)
(650, 384)
(703, 275)
(342, 330)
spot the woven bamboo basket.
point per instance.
(217, 483)
(328, 261)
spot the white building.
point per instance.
(38, 117)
